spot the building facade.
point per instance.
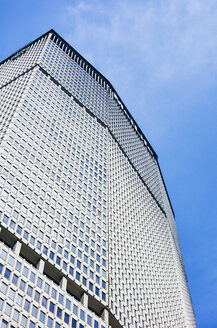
(88, 237)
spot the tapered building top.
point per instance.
(88, 237)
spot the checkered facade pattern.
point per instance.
(88, 237)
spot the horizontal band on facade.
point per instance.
(93, 115)
(14, 79)
(92, 71)
(56, 275)
(82, 62)
(105, 126)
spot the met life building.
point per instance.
(88, 237)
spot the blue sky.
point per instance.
(161, 57)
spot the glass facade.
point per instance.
(88, 236)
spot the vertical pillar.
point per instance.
(105, 316)
(17, 247)
(84, 300)
(40, 266)
(63, 283)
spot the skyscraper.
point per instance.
(88, 237)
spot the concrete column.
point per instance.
(105, 316)
(63, 283)
(84, 299)
(17, 247)
(40, 266)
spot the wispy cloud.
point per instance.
(167, 38)
(145, 48)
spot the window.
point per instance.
(89, 319)
(84, 281)
(3, 288)
(58, 260)
(39, 282)
(61, 298)
(59, 312)
(78, 264)
(26, 305)
(8, 308)
(51, 308)
(32, 277)
(31, 324)
(18, 266)
(44, 301)
(49, 322)
(19, 299)
(46, 288)
(72, 259)
(29, 290)
(75, 309)
(54, 293)
(66, 318)
(97, 291)
(51, 255)
(42, 316)
(25, 271)
(22, 285)
(96, 324)
(82, 314)
(16, 315)
(7, 273)
(34, 311)
(68, 303)
(74, 323)
(4, 324)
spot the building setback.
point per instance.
(88, 237)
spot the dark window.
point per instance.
(59, 312)
(66, 318)
(15, 279)
(51, 307)
(74, 323)
(7, 273)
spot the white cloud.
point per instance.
(158, 54)
(167, 37)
